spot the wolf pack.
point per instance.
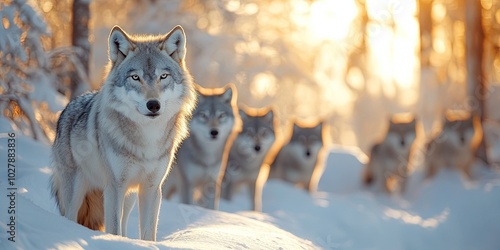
(151, 133)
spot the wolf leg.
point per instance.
(74, 192)
(128, 204)
(149, 208)
(431, 170)
(227, 188)
(211, 193)
(256, 195)
(186, 190)
(367, 175)
(114, 195)
(466, 168)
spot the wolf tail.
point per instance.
(91, 213)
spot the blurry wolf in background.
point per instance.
(123, 138)
(202, 157)
(389, 159)
(492, 137)
(455, 146)
(247, 155)
(301, 160)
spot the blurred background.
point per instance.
(350, 63)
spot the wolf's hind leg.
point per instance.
(73, 191)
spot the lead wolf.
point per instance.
(301, 160)
(389, 159)
(123, 137)
(202, 157)
(247, 155)
(454, 147)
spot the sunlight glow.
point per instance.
(263, 84)
(409, 218)
(45, 170)
(329, 20)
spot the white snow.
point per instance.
(444, 213)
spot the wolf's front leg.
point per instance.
(212, 193)
(255, 195)
(228, 185)
(113, 208)
(149, 207)
(127, 208)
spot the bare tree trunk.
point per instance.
(474, 39)
(81, 43)
(429, 113)
(425, 21)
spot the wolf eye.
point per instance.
(264, 133)
(203, 116)
(250, 132)
(163, 76)
(302, 139)
(222, 115)
(135, 77)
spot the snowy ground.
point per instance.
(445, 213)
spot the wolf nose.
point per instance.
(308, 153)
(462, 139)
(257, 148)
(403, 142)
(214, 133)
(153, 105)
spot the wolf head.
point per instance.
(459, 133)
(309, 138)
(257, 135)
(147, 74)
(401, 135)
(214, 116)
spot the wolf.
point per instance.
(492, 137)
(454, 147)
(202, 157)
(248, 153)
(389, 159)
(301, 160)
(122, 138)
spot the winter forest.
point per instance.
(350, 64)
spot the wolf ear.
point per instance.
(242, 113)
(295, 128)
(175, 44)
(227, 96)
(119, 45)
(319, 127)
(269, 117)
(199, 95)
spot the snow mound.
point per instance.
(446, 212)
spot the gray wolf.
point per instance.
(455, 146)
(492, 137)
(247, 155)
(122, 139)
(202, 157)
(301, 160)
(388, 164)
